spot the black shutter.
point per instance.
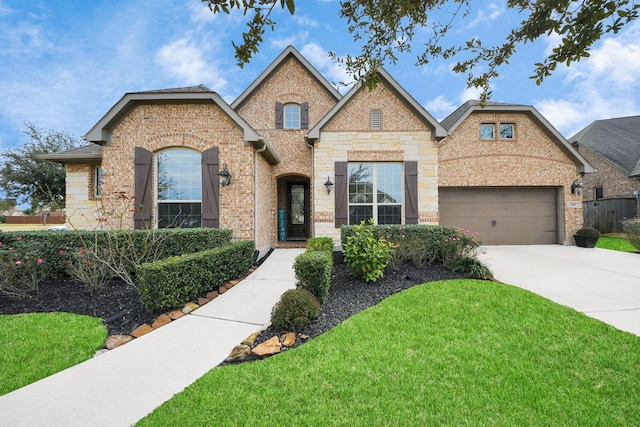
(143, 180)
(341, 195)
(210, 188)
(304, 115)
(279, 115)
(411, 192)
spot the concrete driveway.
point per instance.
(600, 283)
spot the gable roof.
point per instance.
(290, 51)
(100, 133)
(438, 130)
(471, 106)
(91, 153)
(617, 140)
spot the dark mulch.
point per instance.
(116, 302)
(120, 303)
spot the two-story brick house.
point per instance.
(305, 159)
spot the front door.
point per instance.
(297, 210)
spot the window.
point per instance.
(506, 131)
(97, 182)
(598, 193)
(486, 131)
(292, 116)
(375, 191)
(179, 185)
(376, 120)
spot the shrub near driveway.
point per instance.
(458, 352)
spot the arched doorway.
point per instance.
(293, 208)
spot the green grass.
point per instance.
(459, 352)
(616, 244)
(34, 346)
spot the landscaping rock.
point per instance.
(161, 320)
(211, 295)
(203, 300)
(268, 348)
(189, 307)
(141, 330)
(175, 314)
(116, 341)
(289, 339)
(239, 354)
(222, 290)
(251, 339)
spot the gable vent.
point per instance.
(376, 119)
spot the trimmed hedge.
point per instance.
(320, 244)
(313, 270)
(170, 282)
(52, 245)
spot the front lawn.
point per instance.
(456, 352)
(616, 244)
(34, 346)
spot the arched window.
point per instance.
(179, 188)
(292, 116)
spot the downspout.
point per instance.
(255, 191)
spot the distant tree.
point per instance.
(29, 179)
(7, 204)
(388, 27)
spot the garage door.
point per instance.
(503, 216)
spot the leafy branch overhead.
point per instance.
(387, 28)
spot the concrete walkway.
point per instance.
(600, 283)
(120, 387)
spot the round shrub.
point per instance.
(588, 232)
(295, 310)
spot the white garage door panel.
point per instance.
(502, 216)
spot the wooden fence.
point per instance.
(607, 214)
(50, 220)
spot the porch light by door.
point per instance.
(225, 176)
(576, 187)
(328, 184)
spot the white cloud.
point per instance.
(602, 86)
(469, 93)
(186, 62)
(487, 15)
(440, 107)
(295, 39)
(320, 59)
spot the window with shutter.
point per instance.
(179, 188)
(279, 115)
(142, 212)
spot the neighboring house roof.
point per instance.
(290, 51)
(617, 140)
(460, 114)
(100, 133)
(438, 130)
(91, 153)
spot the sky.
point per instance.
(64, 64)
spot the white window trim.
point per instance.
(513, 131)
(284, 115)
(375, 203)
(493, 132)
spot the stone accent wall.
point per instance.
(348, 137)
(614, 182)
(197, 126)
(530, 159)
(81, 205)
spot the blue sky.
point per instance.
(63, 64)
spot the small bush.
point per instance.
(632, 228)
(320, 244)
(88, 269)
(458, 247)
(588, 232)
(22, 267)
(366, 255)
(295, 310)
(313, 270)
(472, 268)
(170, 282)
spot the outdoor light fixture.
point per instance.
(328, 184)
(225, 176)
(576, 187)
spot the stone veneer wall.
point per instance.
(197, 126)
(81, 205)
(530, 159)
(613, 181)
(348, 137)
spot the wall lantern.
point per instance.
(576, 187)
(225, 176)
(328, 184)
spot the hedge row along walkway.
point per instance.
(120, 387)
